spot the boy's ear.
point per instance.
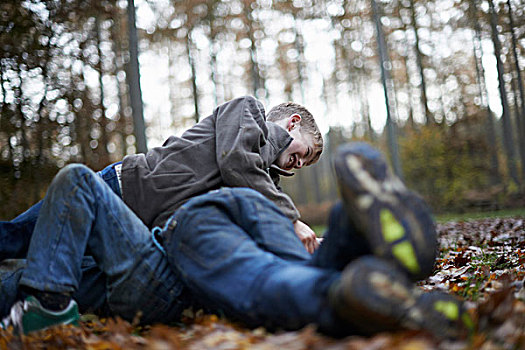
(293, 121)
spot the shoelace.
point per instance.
(15, 316)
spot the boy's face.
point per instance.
(301, 150)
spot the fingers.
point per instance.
(316, 242)
(310, 242)
(306, 242)
(307, 236)
(311, 247)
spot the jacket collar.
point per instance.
(278, 140)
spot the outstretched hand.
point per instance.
(306, 235)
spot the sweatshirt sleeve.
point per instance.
(241, 132)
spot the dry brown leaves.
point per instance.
(482, 261)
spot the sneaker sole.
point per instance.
(395, 221)
(374, 296)
(449, 317)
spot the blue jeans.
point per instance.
(233, 249)
(81, 215)
(238, 253)
(15, 235)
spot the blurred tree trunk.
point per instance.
(3, 116)
(254, 68)
(103, 159)
(483, 94)
(365, 107)
(83, 119)
(324, 161)
(5, 124)
(385, 66)
(213, 53)
(507, 125)
(361, 76)
(520, 105)
(299, 46)
(134, 82)
(419, 61)
(43, 123)
(316, 181)
(22, 139)
(172, 81)
(407, 86)
(43, 117)
(191, 62)
(440, 76)
(517, 115)
(121, 86)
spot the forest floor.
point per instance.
(482, 261)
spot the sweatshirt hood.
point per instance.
(277, 141)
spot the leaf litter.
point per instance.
(481, 261)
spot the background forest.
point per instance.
(437, 85)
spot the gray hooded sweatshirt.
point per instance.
(234, 147)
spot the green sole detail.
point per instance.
(467, 321)
(404, 253)
(391, 228)
(447, 308)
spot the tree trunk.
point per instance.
(121, 86)
(172, 84)
(213, 53)
(3, 117)
(483, 95)
(407, 85)
(419, 61)
(134, 82)
(520, 112)
(325, 165)
(384, 63)
(191, 62)
(507, 125)
(103, 122)
(299, 46)
(254, 69)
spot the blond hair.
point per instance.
(307, 123)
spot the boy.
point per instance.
(234, 250)
(237, 146)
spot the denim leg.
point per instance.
(341, 243)
(15, 235)
(225, 245)
(91, 295)
(81, 213)
(10, 272)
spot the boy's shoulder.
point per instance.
(248, 103)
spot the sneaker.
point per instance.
(449, 315)
(29, 316)
(396, 222)
(373, 296)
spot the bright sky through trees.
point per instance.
(319, 36)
